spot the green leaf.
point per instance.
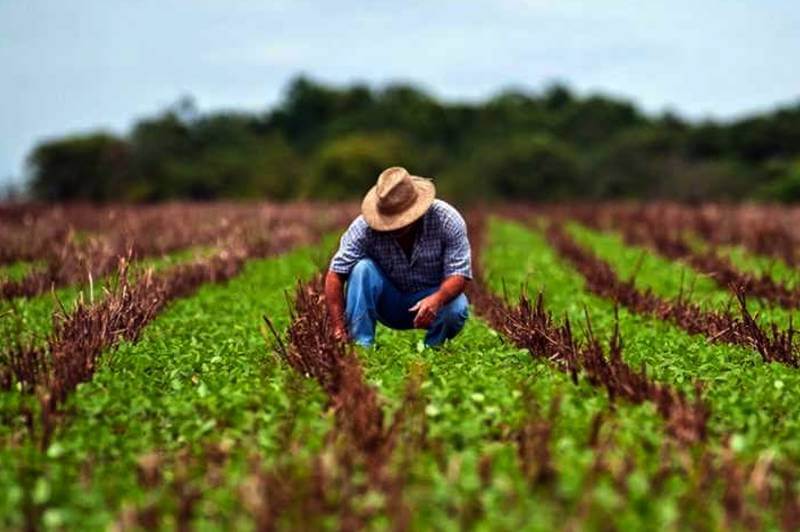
(432, 410)
(55, 450)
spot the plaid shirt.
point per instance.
(440, 250)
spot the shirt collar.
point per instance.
(421, 236)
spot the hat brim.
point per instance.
(426, 192)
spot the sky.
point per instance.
(83, 65)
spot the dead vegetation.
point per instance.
(77, 243)
(530, 326)
(719, 326)
(661, 229)
(82, 334)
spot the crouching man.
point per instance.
(404, 262)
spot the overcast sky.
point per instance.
(77, 65)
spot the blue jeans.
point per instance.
(372, 297)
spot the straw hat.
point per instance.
(397, 200)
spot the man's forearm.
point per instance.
(451, 288)
(334, 298)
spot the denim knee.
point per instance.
(456, 312)
(363, 269)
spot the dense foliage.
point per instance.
(325, 142)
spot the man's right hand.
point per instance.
(340, 332)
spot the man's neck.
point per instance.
(407, 241)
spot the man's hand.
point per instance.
(426, 309)
(340, 332)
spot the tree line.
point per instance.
(331, 142)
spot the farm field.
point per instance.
(625, 366)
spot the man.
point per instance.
(406, 261)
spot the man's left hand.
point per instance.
(426, 309)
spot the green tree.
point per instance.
(93, 167)
(526, 166)
(274, 171)
(785, 183)
(347, 167)
(326, 141)
(158, 146)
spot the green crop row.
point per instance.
(751, 401)
(479, 391)
(200, 373)
(749, 262)
(17, 270)
(668, 278)
(30, 319)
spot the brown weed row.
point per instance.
(644, 226)
(769, 230)
(80, 337)
(147, 230)
(751, 494)
(722, 326)
(314, 352)
(743, 489)
(530, 326)
(763, 229)
(331, 482)
(51, 233)
(363, 436)
(181, 490)
(138, 232)
(304, 492)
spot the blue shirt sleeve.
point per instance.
(457, 252)
(352, 247)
